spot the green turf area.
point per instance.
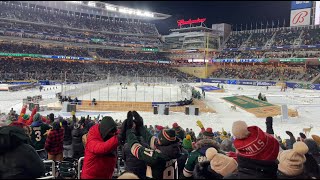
(246, 102)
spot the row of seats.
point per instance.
(282, 37)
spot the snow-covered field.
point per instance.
(307, 102)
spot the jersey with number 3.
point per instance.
(37, 136)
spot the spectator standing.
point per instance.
(18, 159)
(101, 150)
(257, 153)
(54, 142)
(39, 134)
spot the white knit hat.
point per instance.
(220, 163)
(291, 161)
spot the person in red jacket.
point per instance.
(101, 150)
(22, 113)
(24, 118)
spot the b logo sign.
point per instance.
(300, 17)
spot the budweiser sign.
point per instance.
(190, 21)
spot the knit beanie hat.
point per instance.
(51, 117)
(187, 143)
(291, 161)
(208, 132)
(251, 142)
(107, 125)
(175, 125)
(316, 139)
(159, 128)
(36, 117)
(128, 175)
(220, 163)
(25, 117)
(167, 137)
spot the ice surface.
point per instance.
(307, 102)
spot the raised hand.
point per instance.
(138, 120)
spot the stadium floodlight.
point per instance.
(135, 12)
(91, 4)
(110, 8)
(75, 2)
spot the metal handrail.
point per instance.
(53, 170)
(79, 167)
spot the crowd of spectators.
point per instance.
(67, 19)
(286, 37)
(264, 72)
(270, 53)
(40, 49)
(235, 40)
(283, 37)
(259, 39)
(251, 54)
(228, 54)
(130, 55)
(310, 37)
(129, 148)
(78, 71)
(33, 48)
(54, 33)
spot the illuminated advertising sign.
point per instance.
(190, 21)
(300, 4)
(300, 17)
(317, 13)
(150, 49)
(44, 56)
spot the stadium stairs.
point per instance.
(315, 79)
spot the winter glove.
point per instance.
(199, 123)
(129, 123)
(125, 126)
(289, 133)
(303, 136)
(269, 121)
(137, 119)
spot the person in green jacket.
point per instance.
(161, 157)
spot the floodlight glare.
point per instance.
(91, 4)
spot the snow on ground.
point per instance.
(307, 102)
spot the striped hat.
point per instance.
(167, 137)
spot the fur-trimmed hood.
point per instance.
(207, 142)
(203, 171)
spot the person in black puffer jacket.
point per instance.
(133, 164)
(18, 159)
(77, 145)
(67, 140)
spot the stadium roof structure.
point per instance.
(100, 8)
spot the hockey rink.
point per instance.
(307, 103)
